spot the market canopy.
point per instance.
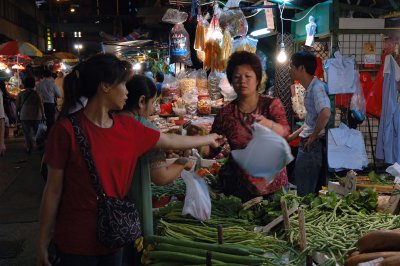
(121, 48)
(19, 48)
(66, 57)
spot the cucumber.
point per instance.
(211, 247)
(227, 258)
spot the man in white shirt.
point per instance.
(309, 162)
(49, 92)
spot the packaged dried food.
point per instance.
(200, 37)
(213, 47)
(179, 45)
(213, 86)
(187, 81)
(170, 89)
(233, 19)
(204, 105)
(201, 82)
(174, 16)
(245, 44)
(226, 49)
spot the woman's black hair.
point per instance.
(86, 78)
(71, 93)
(137, 86)
(29, 83)
(244, 58)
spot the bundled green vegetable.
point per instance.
(231, 235)
(172, 251)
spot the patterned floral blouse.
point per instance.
(236, 127)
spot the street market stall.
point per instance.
(285, 230)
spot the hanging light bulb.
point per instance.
(8, 71)
(282, 57)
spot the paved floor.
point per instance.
(20, 194)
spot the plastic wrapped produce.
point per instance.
(170, 89)
(174, 16)
(226, 49)
(233, 19)
(245, 44)
(200, 37)
(187, 81)
(226, 89)
(201, 82)
(204, 105)
(179, 45)
(190, 98)
(213, 47)
(213, 86)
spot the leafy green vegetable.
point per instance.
(375, 178)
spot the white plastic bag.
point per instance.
(41, 133)
(233, 19)
(265, 155)
(174, 16)
(197, 200)
(357, 103)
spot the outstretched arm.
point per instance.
(177, 142)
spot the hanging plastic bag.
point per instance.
(245, 44)
(265, 155)
(357, 103)
(200, 37)
(213, 47)
(226, 89)
(174, 16)
(179, 45)
(41, 133)
(374, 97)
(233, 19)
(213, 86)
(197, 200)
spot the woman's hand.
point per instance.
(262, 120)
(42, 258)
(216, 140)
(189, 165)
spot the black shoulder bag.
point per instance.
(117, 220)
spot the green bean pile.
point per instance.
(336, 232)
(178, 187)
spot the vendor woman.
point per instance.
(234, 121)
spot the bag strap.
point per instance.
(87, 155)
(26, 98)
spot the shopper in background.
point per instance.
(69, 206)
(2, 125)
(309, 172)
(142, 96)
(234, 121)
(49, 92)
(31, 111)
(15, 80)
(159, 78)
